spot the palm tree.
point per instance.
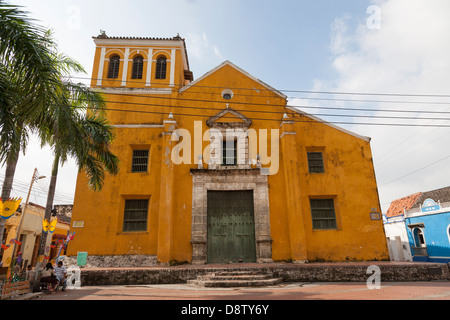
(25, 69)
(87, 138)
(34, 99)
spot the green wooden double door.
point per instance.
(231, 227)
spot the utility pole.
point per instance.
(48, 208)
(19, 228)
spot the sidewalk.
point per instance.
(422, 290)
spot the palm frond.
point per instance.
(36, 98)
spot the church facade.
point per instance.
(220, 170)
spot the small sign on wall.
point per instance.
(82, 258)
(375, 216)
(78, 224)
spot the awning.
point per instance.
(416, 225)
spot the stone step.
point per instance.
(239, 272)
(234, 283)
(235, 277)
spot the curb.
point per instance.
(289, 272)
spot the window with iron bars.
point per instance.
(135, 215)
(113, 69)
(161, 66)
(315, 162)
(140, 161)
(138, 67)
(323, 214)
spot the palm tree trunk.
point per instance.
(11, 164)
(49, 205)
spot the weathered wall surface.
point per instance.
(122, 261)
(289, 272)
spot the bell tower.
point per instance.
(147, 64)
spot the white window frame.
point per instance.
(419, 245)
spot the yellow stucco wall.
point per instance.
(349, 176)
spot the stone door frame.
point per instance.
(232, 180)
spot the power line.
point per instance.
(402, 152)
(422, 137)
(23, 187)
(46, 187)
(371, 94)
(271, 105)
(303, 106)
(359, 109)
(280, 90)
(293, 120)
(266, 119)
(280, 112)
(41, 193)
(37, 193)
(374, 101)
(297, 97)
(406, 175)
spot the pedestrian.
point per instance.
(48, 276)
(61, 275)
(19, 260)
(16, 270)
(29, 272)
(29, 275)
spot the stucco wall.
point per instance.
(399, 247)
(349, 176)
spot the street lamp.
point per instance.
(19, 228)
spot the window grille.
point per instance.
(138, 67)
(135, 215)
(315, 162)
(161, 66)
(113, 70)
(323, 214)
(140, 161)
(229, 153)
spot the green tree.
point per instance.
(86, 138)
(25, 70)
(35, 99)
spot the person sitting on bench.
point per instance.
(61, 275)
(48, 276)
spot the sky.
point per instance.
(321, 54)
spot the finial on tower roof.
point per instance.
(102, 34)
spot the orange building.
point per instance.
(219, 169)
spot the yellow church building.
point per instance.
(219, 170)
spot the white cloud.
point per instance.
(218, 53)
(197, 44)
(339, 40)
(208, 55)
(407, 54)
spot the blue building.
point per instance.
(427, 225)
